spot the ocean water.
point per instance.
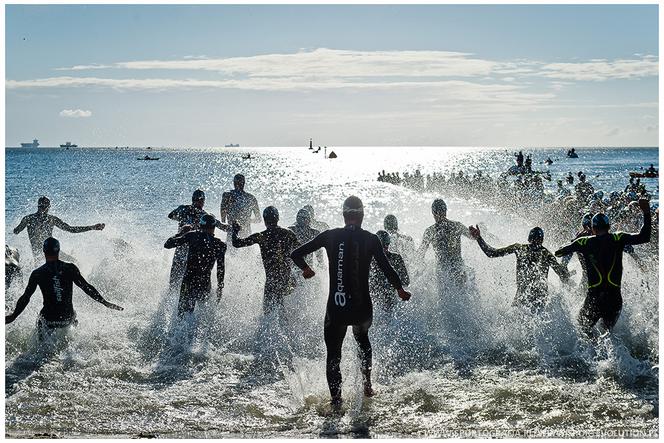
(461, 365)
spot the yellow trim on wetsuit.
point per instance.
(608, 276)
(582, 240)
(600, 278)
(617, 236)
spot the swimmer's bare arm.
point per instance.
(76, 229)
(254, 208)
(23, 300)
(92, 291)
(426, 241)
(21, 226)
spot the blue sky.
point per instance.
(470, 75)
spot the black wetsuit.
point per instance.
(276, 244)
(185, 215)
(382, 292)
(532, 271)
(204, 250)
(55, 280)
(603, 257)
(349, 252)
(40, 227)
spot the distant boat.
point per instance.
(246, 157)
(147, 157)
(647, 174)
(572, 153)
(231, 145)
(34, 144)
(68, 145)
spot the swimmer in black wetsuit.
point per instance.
(40, 226)
(187, 215)
(55, 280)
(382, 291)
(204, 250)
(602, 253)
(532, 268)
(276, 244)
(445, 237)
(349, 252)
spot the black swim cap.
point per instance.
(51, 246)
(353, 205)
(207, 221)
(384, 238)
(601, 221)
(271, 214)
(439, 206)
(587, 220)
(303, 217)
(198, 195)
(536, 235)
(238, 178)
(43, 202)
(390, 223)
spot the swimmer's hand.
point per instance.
(99, 226)
(113, 306)
(235, 227)
(403, 294)
(474, 231)
(308, 272)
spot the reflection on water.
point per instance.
(442, 364)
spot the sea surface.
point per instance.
(445, 365)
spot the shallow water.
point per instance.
(467, 365)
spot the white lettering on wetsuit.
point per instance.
(340, 295)
(57, 288)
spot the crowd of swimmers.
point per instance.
(364, 268)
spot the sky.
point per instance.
(344, 75)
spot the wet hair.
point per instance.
(384, 238)
(271, 214)
(51, 246)
(390, 223)
(601, 221)
(353, 205)
(439, 206)
(208, 221)
(197, 195)
(536, 235)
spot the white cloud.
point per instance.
(322, 63)
(75, 113)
